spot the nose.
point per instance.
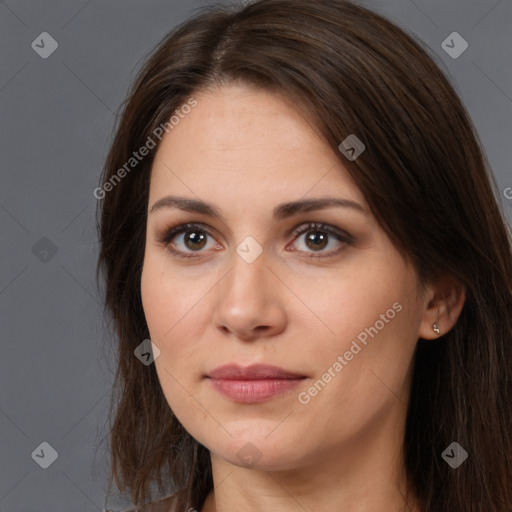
(248, 304)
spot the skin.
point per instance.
(246, 151)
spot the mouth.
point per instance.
(253, 384)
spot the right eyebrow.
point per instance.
(186, 204)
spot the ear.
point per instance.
(443, 303)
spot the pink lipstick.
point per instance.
(252, 384)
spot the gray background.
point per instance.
(57, 114)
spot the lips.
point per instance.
(252, 384)
(253, 372)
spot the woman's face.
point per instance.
(267, 277)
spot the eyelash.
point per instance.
(340, 235)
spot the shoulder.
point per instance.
(165, 505)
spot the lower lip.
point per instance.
(253, 391)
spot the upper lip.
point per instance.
(252, 372)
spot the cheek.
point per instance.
(167, 298)
(371, 319)
(156, 302)
(353, 299)
(174, 308)
(170, 316)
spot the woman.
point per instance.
(308, 273)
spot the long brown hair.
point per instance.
(426, 179)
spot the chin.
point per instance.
(255, 449)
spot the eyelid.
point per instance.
(169, 233)
(322, 226)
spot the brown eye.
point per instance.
(317, 240)
(188, 240)
(313, 238)
(194, 240)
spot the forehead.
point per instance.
(242, 140)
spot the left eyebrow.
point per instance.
(307, 205)
(280, 212)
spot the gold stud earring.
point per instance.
(436, 329)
